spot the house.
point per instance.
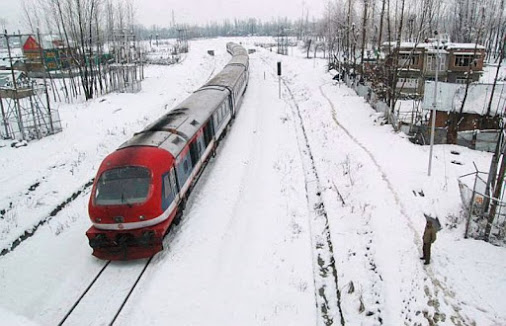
(418, 62)
(461, 56)
(6, 79)
(56, 54)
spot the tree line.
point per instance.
(348, 31)
(85, 26)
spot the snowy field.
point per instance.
(245, 252)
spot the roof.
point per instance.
(430, 45)
(469, 46)
(49, 41)
(6, 77)
(227, 77)
(449, 97)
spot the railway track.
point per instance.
(327, 293)
(98, 302)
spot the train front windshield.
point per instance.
(123, 186)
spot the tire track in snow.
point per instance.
(433, 298)
(328, 295)
(374, 310)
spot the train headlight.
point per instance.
(142, 217)
(98, 220)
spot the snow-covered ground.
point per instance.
(245, 251)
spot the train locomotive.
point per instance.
(141, 188)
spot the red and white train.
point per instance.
(141, 188)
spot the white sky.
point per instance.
(159, 12)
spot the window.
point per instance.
(167, 189)
(463, 60)
(408, 60)
(432, 61)
(460, 80)
(123, 186)
(407, 83)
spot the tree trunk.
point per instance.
(364, 23)
(381, 27)
(495, 199)
(501, 57)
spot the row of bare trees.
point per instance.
(86, 27)
(358, 26)
(355, 31)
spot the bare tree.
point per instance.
(3, 23)
(364, 32)
(501, 57)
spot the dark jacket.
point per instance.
(429, 235)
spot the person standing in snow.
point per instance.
(429, 236)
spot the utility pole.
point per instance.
(279, 78)
(434, 104)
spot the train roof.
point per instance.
(227, 77)
(236, 49)
(173, 130)
(239, 60)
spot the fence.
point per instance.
(477, 204)
(483, 140)
(25, 115)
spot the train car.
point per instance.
(141, 188)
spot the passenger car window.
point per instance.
(167, 189)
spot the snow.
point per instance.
(244, 253)
(450, 97)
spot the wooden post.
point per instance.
(4, 117)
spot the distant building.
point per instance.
(56, 55)
(418, 62)
(6, 79)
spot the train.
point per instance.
(141, 188)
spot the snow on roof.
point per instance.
(469, 46)
(432, 51)
(6, 77)
(430, 45)
(464, 53)
(449, 97)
